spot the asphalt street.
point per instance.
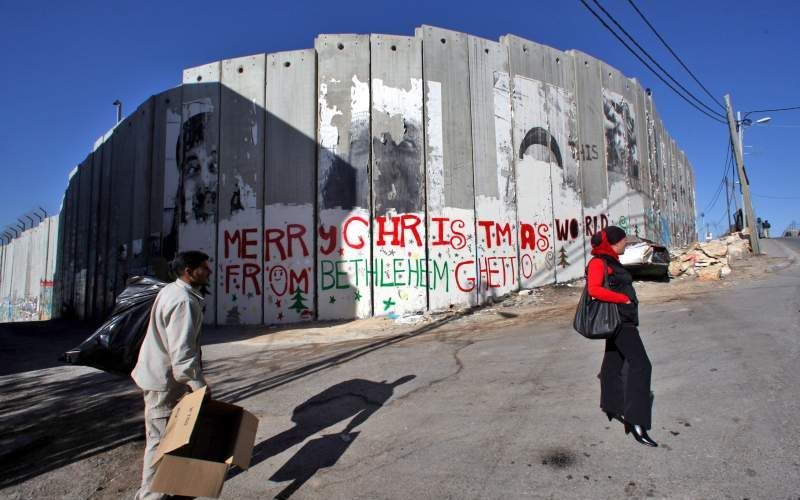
(469, 410)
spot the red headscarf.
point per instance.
(603, 247)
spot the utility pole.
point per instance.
(727, 204)
(749, 216)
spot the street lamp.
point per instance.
(118, 104)
(741, 123)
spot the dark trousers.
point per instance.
(627, 391)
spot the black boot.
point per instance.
(639, 434)
(612, 415)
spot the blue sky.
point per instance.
(64, 63)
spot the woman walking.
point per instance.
(623, 396)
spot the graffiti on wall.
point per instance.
(344, 150)
(622, 160)
(398, 228)
(388, 232)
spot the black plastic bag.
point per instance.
(595, 319)
(114, 347)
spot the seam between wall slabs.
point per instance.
(218, 119)
(315, 219)
(514, 159)
(263, 207)
(425, 167)
(478, 283)
(476, 265)
(369, 177)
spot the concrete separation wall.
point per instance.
(370, 175)
(27, 270)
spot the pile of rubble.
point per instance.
(710, 260)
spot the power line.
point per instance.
(715, 99)
(777, 197)
(618, 25)
(721, 186)
(774, 110)
(611, 30)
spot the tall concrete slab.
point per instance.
(142, 131)
(692, 205)
(3, 247)
(343, 182)
(164, 216)
(657, 170)
(21, 305)
(48, 295)
(640, 197)
(653, 185)
(666, 195)
(291, 187)
(82, 237)
(683, 201)
(621, 146)
(241, 192)
(591, 140)
(399, 233)
(37, 267)
(450, 192)
(666, 229)
(493, 159)
(93, 234)
(6, 300)
(533, 146)
(558, 74)
(673, 187)
(199, 166)
(106, 258)
(122, 209)
(68, 247)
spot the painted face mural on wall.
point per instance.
(342, 182)
(198, 170)
(620, 131)
(397, 176)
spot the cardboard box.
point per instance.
(202, 440)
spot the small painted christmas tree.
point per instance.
(563, 257)
(298, 304)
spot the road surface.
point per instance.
(501, 406)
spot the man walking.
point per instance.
(170, 361)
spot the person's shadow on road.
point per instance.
(357, 398)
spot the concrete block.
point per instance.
(122, 209)
(450, 193)
(164, 217)
(533, 147)
(142, 176)
(241, 192)
(590, 150)
(343, 187)
(93, 233)
(199, 166)
(106, 254)
(621, 147)
(291, 190)
(561, 114)
(495, 183)
(398, 176)
(84, 208)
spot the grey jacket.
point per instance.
(170, 352)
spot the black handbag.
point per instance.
(596, 319)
